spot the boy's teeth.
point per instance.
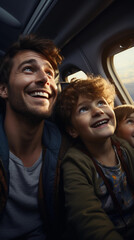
(100, 123)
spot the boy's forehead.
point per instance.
(82, 98)
(89, 97)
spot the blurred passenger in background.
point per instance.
(125, 122)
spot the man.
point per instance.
(29, 144)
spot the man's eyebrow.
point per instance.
(31, 61)
(26, 62)
(49, 65)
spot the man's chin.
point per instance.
(37, 116)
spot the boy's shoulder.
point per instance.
(127, 149)
(123, 143)
(73, 149)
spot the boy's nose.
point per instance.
(96, 111)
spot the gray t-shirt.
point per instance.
(119, 185)
(21, 216)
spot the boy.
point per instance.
(29, 144)
(99, 201)
(125, 122)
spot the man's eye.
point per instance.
(28, 69)
(50, 73)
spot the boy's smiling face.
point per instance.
(92, 120)
(126, 129)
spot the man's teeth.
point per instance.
(40, 94)
(100, 123)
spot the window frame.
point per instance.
(122, 91)
(109, 52)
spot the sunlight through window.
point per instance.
(124, 66)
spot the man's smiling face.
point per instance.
(32, 90)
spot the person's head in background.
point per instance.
(125, 122)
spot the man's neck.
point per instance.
(24, 138)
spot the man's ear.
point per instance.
(72, 132)
(3, 91)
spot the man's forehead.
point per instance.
(30, 56)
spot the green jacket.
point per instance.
(85, 218)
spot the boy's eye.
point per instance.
(101, 103)
(83, 109)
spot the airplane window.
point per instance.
(124, 66)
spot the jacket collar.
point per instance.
(4, 149)
(51, 136)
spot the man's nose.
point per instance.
(42, 78)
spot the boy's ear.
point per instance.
(3, 91)
(72, 132)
